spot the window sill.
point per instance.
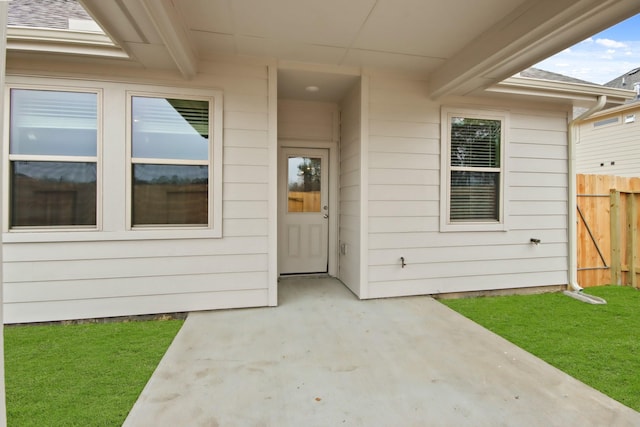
(75, 235)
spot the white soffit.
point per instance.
(434, 29)
(413, 35)
(458, 45)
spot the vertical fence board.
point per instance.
(607, 243)
(632, 239)
(616, 259)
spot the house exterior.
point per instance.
(198, 151)
(609, 141)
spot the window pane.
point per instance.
(53, 193)
(170, 194)
(304, 184)
(170, 128)
(53, 123)
(474, 196)
(475, 142)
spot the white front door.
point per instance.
(303, 210)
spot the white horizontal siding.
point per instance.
(465, 269)
(40, 311)
(404, 200)
(100, 278)
(245, 138)
(246, 174)
(350, 191)
(444, 254)
(245, 156)
(598, 148)
(462, 240)
(440, 285)
(105, 250)
(115, 287)
(52, 271)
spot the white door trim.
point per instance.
(333, 192)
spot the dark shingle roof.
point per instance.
(45, 13)
(536, 73)
(626, 80)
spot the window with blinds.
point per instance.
(170, 161)
(475, 169)
(53, 161)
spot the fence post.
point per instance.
(614, 221)
(632, 239)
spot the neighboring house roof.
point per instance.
(537, 73)
(46, 13)
(629, 80)
(566, 83)
(626, 81)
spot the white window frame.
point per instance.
(446, 114)
(97, 159)
(112, 187)
(214, 226)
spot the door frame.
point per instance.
(333, 198)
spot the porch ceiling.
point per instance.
(460, 45)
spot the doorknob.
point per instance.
(325, 216)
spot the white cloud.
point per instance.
(595, 62)
(610, 43)
(589, 40)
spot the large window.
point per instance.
(170, 161)
(87, 160)
(473, 154)
(53, 158)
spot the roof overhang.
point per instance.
(469, 46)
(531, 33)
(579, 95)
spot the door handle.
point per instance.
(325, 216)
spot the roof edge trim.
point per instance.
(62, 41)
(563, 90)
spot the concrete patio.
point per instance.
(324, 358)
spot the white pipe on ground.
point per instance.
(573, 217)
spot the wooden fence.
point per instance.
(304, 201)
(608, 223)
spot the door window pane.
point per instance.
(304, 184)
(53, 193)
(170, 194)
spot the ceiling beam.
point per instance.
(532, 32)
(171, 30)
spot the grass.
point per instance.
(83, 374)
(597, 344)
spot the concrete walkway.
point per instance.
(324, 358)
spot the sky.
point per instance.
(602, 57)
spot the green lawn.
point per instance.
(597, 344)
(80, 375)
